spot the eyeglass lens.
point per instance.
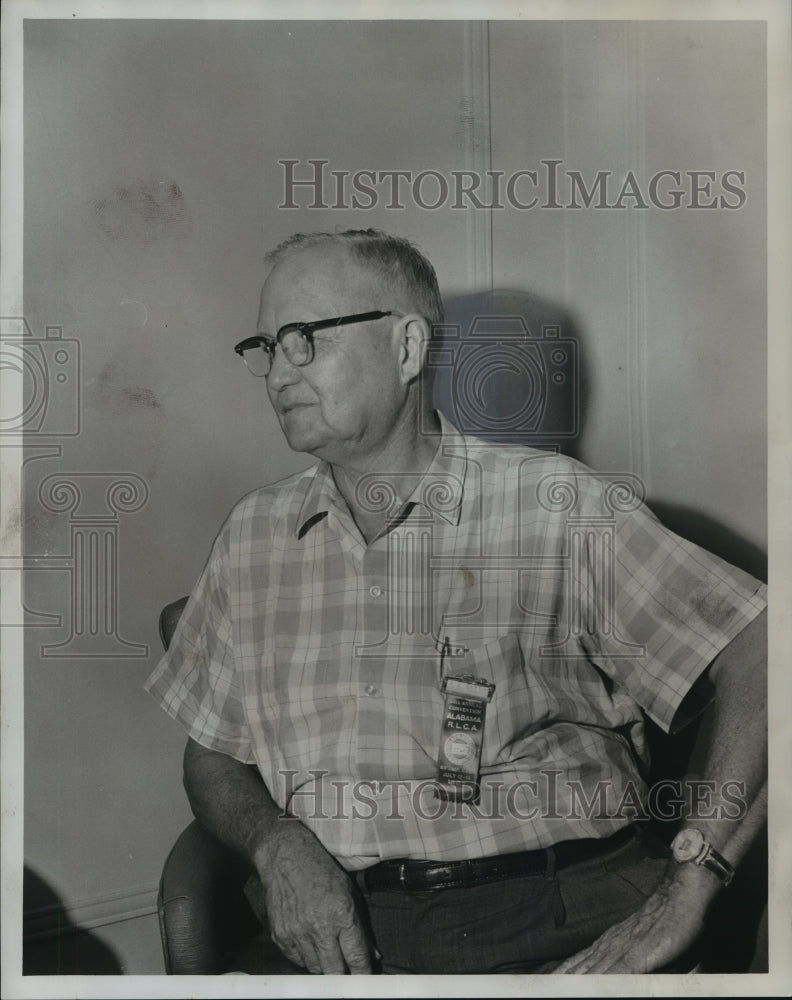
(294, 344)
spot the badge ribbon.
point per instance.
(461, 737)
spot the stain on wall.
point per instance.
(139, 396)
(145, 210)
(470, 126)
(109, 392)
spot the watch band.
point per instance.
(717, 864)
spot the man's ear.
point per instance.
(415, 332)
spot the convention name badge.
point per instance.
(461, 737)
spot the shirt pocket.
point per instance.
(522, 703)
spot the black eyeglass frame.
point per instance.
(269, 344)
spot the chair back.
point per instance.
(169, 619)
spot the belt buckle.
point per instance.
(417, 884)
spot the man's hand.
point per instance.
(308, 896)
(731, 747)
(310, 903)
(653, 937)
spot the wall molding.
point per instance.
(478, 150)
(58, 919)
(635, 245)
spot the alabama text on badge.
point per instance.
(461, 737)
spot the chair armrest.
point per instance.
(203, 913)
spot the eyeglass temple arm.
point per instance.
(322, 324)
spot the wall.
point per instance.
(670, 303)
(152, 187)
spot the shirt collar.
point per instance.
(321, 494)
(440, 489)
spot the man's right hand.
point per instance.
(309, 897)
(310, 903)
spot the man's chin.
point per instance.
(300, 436)
(302, 441)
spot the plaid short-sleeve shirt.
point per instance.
(316, 657)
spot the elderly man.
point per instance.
(415, 676)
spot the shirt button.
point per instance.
(371, 690)
(375, 591)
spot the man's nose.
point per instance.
(282, 372)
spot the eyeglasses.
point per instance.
(296, 341)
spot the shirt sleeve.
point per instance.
(196, 681)
(665, 607)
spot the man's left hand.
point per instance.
(662, 930)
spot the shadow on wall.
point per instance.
(736, 938)
(52, 945)
(510, 366)
(710, 534)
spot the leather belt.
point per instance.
(423, 876)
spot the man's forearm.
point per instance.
(230, 800)
(731, 750)
(311, 911)
(731, 747)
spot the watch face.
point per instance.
(687, 844)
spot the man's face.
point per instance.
(343, 405)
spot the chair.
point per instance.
(208, 927)
(205, 920)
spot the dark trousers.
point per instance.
(518, 925)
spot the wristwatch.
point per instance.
(690, 845)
